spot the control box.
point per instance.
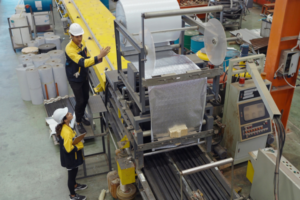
(288, 62)
(247, 121)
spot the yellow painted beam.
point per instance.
(101, 22)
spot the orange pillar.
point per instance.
(286, 22)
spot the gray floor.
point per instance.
(30, 165)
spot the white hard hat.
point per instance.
(59, 114)
(76, 30)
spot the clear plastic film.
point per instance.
(24, 89)
(35, 86)
(176, 104)
(40, 41)
(129, 13)
(40, 60)
(48, 34)
(54, 39)
(60, 78)
(150, 51)
(215, 41)
(169, 63)
(47, 79)
(60, 54)
(53, 62)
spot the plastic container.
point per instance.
(231, 53)
(38, 6)
(188, 34)
(197, 43)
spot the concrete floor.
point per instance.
(30, 164)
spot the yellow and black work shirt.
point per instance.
(76, 58)
(71, 155)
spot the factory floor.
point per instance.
(30, 163)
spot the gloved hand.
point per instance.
(76, 74)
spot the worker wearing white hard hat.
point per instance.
(77, 62)
(71, 156)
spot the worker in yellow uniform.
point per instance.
(71, 156)
(77, 62)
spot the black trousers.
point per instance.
(81, 92)
(72, 180)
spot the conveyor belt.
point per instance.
(163, 177)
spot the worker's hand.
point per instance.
(76, 74)
(104, 52)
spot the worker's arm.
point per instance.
(81, 61)
(79, 146)
(68, 140)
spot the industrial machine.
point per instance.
(248, 109)
(144, 100)
(262, 161)
(232, 14)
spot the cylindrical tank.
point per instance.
(231, 53)
(21, 36)
(197, 43)
(38, 6)
(188, 34)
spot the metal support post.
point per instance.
(181, 40)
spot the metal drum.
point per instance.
(197, 43)
(231, 53)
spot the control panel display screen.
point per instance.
(254, 111)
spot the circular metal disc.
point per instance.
(215, 41)
(150, 52)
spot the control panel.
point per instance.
(255, 129)
(251, 93)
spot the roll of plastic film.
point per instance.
(27, 61)
(40, 60)
(35, 86)
(45, 48)
(53, 62)
(60, 54)
(54, 39)
(30, 50)
(32, 43)
(129, 13)
(47, 79)
(40, 40)
(60, 79)
(24, 89)
(48, 34)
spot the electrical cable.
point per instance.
(298, 43)
(275, 75)
(281, 141)
(289, 83)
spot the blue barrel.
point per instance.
(38, 6)
(231, 53)
(105, 3)
(176, 41)
(197, 43)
